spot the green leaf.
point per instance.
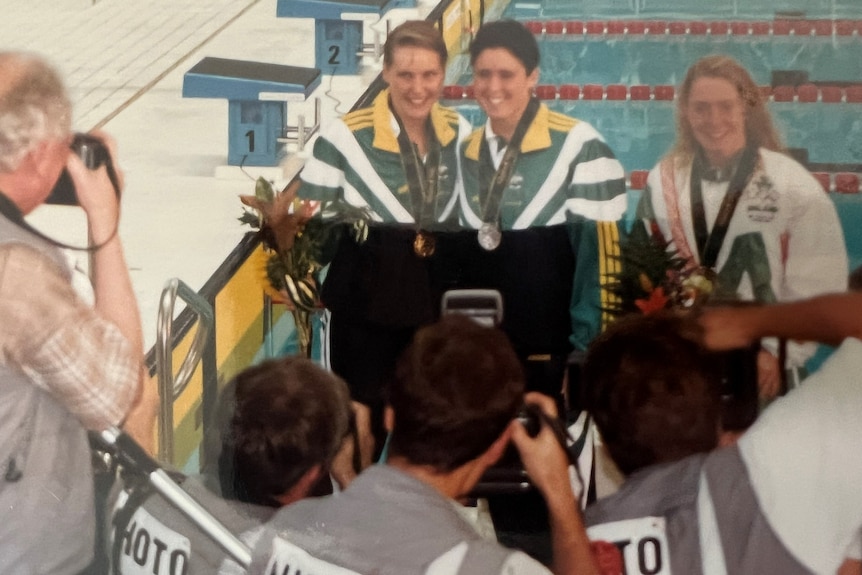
(250, 219)
(263, 190)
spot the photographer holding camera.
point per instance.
(782, 499)
(65, 367)
(451, 412)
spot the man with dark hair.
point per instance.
(652, 410)
(451, 414)
(783, 499)
(278, 428)
(65, 367)
(285, 421)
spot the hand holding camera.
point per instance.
(540, 438)
(94, 151)
(96, 183)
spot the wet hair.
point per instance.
(508, 34)
(647, 384)
(759, 129)
(33, 106)
(456, 388)
(416, 34)
(275, 421)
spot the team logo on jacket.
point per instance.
(761, 200)
(516, 182)
(442, 175)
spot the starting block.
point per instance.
(257, 95)
(338, 45)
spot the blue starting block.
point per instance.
(257, 96)
(337, 29)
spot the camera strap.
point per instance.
(14, 215)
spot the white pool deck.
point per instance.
(123, 63)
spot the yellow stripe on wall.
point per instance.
(609, 265)
(238, 311)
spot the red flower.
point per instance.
(657, 300)
(608, 556)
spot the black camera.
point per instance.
(531, 418)
(94, 155)
(91, 150)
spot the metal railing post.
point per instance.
(171, 386)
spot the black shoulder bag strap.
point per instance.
(14, 215)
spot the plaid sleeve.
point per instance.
(62, 344)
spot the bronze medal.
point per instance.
(424, 244)
(699, 285)
(489, 236)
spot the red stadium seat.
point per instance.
(719, 28)
(677, 28)
(853, 94)
(574, 27)
(570, 92)
(546, 92)
(554, 27)
(593, 92)
(698, 28)
(783, 93)
(807, 93)
(616, 92)
(823, 27)
(831, 94)
(664, 92)
(765, 92)
(847, 183)
(469, 92)
(803, 27)
(760, 28)
(824, 179)
(616, 27)
(656, 27)
(740, 28)
(453, 92)
(595, 27)
(782, 28)
(636, 27)
(845, 27)
(638, 179)
(639, 93)
(534, 26)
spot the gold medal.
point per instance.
(489, 236)
(424, 244)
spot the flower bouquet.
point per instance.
(300, 239)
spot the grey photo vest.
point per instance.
(47, 519)
(698, 516)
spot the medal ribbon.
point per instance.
(494, 186)
(709, 243)
(422, 180)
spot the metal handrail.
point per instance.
(171, 386)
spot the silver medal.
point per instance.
(489, 236)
